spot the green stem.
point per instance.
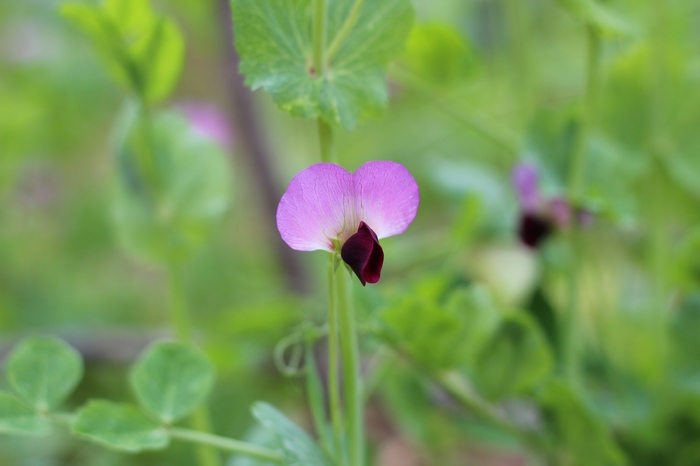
(345, 30)
(457, 387)
(315, 393)
(325, 137)
(178, 307)
(519, 50)
(225, 444)
(576, 183)
(352, 384)
(333, 366)
(200, 419)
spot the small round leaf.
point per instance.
(44, 371)
(172, 379)
(119, 427)
(19, 419)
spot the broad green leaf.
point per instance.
(516, 358)
(274, 40)
(298, 448)
(120, 427)
(586, 438)
(19, 419)
(143, 51)
(44, 371)
(599, 15)
(439, 54)
(172, 379)
(172, 190)
(258, 435)
(481, 319)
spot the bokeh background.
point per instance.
(482, 86)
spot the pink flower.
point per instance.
(326, 207)
(209, 122)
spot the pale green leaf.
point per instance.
(172, 190)
(298, 448)
(44, 371)
(172, 379)
(274, 40)
(19, 419)
(598, 15)
(120, 427)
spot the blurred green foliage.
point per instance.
(480, 86)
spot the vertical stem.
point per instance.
(315, 392)
(350, 354)
(325, 136)
(333, 366)
(576, 180)
(200, 419)
(519, 50)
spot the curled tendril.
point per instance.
(294, 344)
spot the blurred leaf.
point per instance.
(439, 54)
(172, 379)
(585, 438)
(189, 181)
(516, 358)
(298, 448)
(19, 419)
(143, 51)
(44, 371)
(275, 43)
(258, 435)
(599, 15)
(431, 334)
(544, 314)
(120, 427)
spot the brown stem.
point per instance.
(255, 152)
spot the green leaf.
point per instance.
(19, 419)
(143, 51)
(439, 54)
(120, 427)
(172, 379)
(298, 448)
(515, 359)
(173, 188)
(44, 371)
(274, 41)
(599, 15)
(586, 437)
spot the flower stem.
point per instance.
(225, 444)
(333, 366)
(325, 137)
(200, 419)
(352, 384)
(345, 30)
(576, 180)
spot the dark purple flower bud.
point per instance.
(364, 255)
(534, 229)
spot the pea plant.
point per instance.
(519, 372)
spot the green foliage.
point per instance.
(143, 51)
(173, 187)
(298, 448)
(514, 360)
(439, 54)
(44, 371)
(582, 438)
(120, 427)
(19, 419)
(172, 379)
(275, 43)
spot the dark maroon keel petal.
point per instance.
(364, 255)
(534, 229)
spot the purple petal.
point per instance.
(560, 212)
(526, 180)
(364, 255)
(314, 209)
(386, 197)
